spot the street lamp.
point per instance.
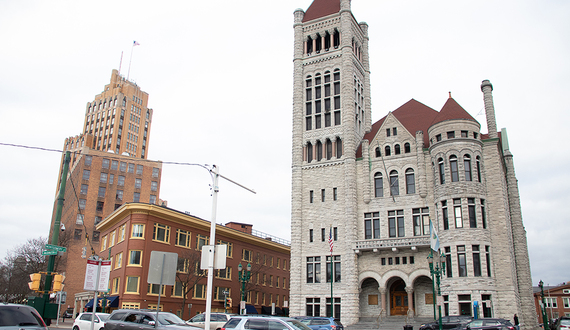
(243, 278)
(436, 268)
(543, 307)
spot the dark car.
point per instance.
(68, 314)
(448, 322)
(322, 323)
(488, 324)
(16, 316)
(140, 319)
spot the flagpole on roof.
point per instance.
(120, 63)
(135, 43)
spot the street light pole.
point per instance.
(243, 278)
(543, 309)
(436, 268)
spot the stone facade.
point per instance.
(375, 188)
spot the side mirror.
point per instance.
(151, 322)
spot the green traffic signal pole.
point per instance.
(56, 225)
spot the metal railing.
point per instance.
(388, 243)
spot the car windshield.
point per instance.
(297, 325)
(169, 318)
(103, 317)
(13, 316)
(565, 321)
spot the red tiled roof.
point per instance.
(451, 110)
(415, 116)
(321, 8)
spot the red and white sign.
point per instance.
(93, 273)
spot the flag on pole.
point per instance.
(135, 43)
(433, 238)
(331, 240)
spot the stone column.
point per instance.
(410, 292)
(384, 306)
(487, 90)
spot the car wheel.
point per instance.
(75, 328)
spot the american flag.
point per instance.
(135, 43)
(331, 240)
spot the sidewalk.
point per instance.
(62, 325)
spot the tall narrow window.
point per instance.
(471, 210)
(313, 269)
(394, 184)
(335, 268)
(453, 167)
(445, 215)
(396, 223)
(309, 152)
(338, 147)
(461, 262)
(329, 149)
(387, 151)
(457, 213)
(488, 260)
(371, 225)
(478, 169)
(397, 149)
(407, 148)
(483, 214)
(420, 219)
(378, 185)
(310, 235)
(378, 152)
(322, 195)
(476, 260)
(319, 151)
(410, 182)
(449, 268)
(441, 166)
(467, 166)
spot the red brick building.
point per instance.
(136, 229)
(556, 301)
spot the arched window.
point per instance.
(327, 41)
(378, 185)
(394, 184)
(453, 168)
(478, 169)
(441, 166)
(467, 166)
(319, 151)
(338, 147)
(410, 181)
(406, 148)
(387, 151)
(397, 149)
(309, 45)
(318, 43)
(336, 38)
(378, 152)
(328, 149)
(309, 152)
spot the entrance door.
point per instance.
(398, 298)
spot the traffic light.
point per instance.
(57, 282)
(35, 283)
(229, 302)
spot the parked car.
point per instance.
(137, 319)
(217, 320)
(15, 316)
(67, 314)
(322, 323)
(448, 322)
(264, 322)
(562, 323)
(83, 321)
(488, 324)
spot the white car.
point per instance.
(264, 322)
(217, 320)
(83, 321)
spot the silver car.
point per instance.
(217, 320)
(264, 322)
(23, 317)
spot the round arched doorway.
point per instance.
(398, 298)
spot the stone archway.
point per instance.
(370, 300)
(398, 298)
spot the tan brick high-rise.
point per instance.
(374, 187)
(108, 168)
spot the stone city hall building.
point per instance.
(375, 187)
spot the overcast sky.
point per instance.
(219, 78)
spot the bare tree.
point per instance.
(188, 274)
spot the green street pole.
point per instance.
(56, 225)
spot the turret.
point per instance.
(487, 90)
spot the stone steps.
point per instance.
(388, 323)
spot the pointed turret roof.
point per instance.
(451, 110)
(321, 8)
